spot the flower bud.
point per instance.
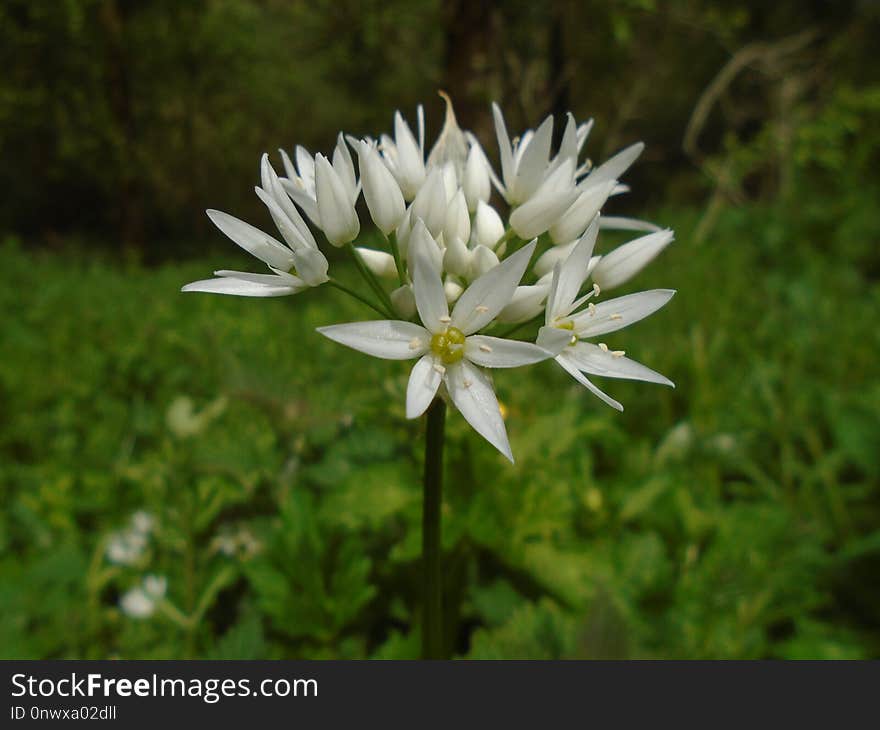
(453, 290)
(339, 219)
(483, 259)
(488, 227)
(379, 262)
(409, 165)
(404, 301)
(430, 203)
(527, 303)
(458, 222)
(475, 181)
(381, 191)
(457, 257)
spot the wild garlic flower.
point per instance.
(140, 602)
(441, 243)
(568, 323)
(447, 346)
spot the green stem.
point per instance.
(370, 278)
(395, 252)
(432, 598)
(352, 293)
(508, 235)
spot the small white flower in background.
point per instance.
(447, 347)
(127, 546)
(566, 325)
(444, 244)
(140, 602)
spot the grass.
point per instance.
(735, 516)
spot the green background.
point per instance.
(736, 516)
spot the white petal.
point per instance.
(488, 227)
(381, 263)
(617, 223)
(592, 359)
(572, 370)
(303, 198)
(547, 260)
(266, 248)
(625, 261)
(615, 314)
(273, 286)
(311, 265)
(575, 220)
(507, 169)
(526, 303)
(482, 260)
(497, 352)
(430, 297)
(489, 294)
(339, 220)
(533, 163)
(614, 167)
(389, 339)
(553, 339)
(471, 391)
(573, 272)
(424, 379)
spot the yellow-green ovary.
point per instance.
(448, 345)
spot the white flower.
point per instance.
(488, 227)
(381, 191)
(575, 220)
(300, 181)
(547, 204)
(137, 604)
(523, 164)
(155, 586)
(476, 182)
(336, 211)
(404, 156)
(142, 522)
(624, 262)
(447, 347)
(300, 255)
(565, 327)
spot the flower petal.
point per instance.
(507, 169)
(424, 379)
(618, 223)
(594, 360)
(266, 248)
(533, 163)
(553, 339)
(429, 293)
(471, 391)
(489, 294)
(234, 283)
(573, 272)
(614, 167)
(572, 370)
(615, 314)
(624, 262)
(497, 352)
(389, 339)
(525, 304)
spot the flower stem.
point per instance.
(352, 293)
(395, 252)
(371, 280)
(432, 595)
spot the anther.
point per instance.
(603, 347)
(415, 343)
(445, 319)
(481, 308)
(596, 290)
(616, 315)
(485, 348)
(591, 308)
(618, 353)
(467, 383)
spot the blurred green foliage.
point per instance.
(736, 516)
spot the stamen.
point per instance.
(485, 348)
(591, 308)
(481, 308)
(415, 343)
(439, 368)
(596, 289)
(618, 353)
(603, 347)
(467, 383)
(445, 319)
(616, 315)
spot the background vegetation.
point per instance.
(736, 516)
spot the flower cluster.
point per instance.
(462, 280)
